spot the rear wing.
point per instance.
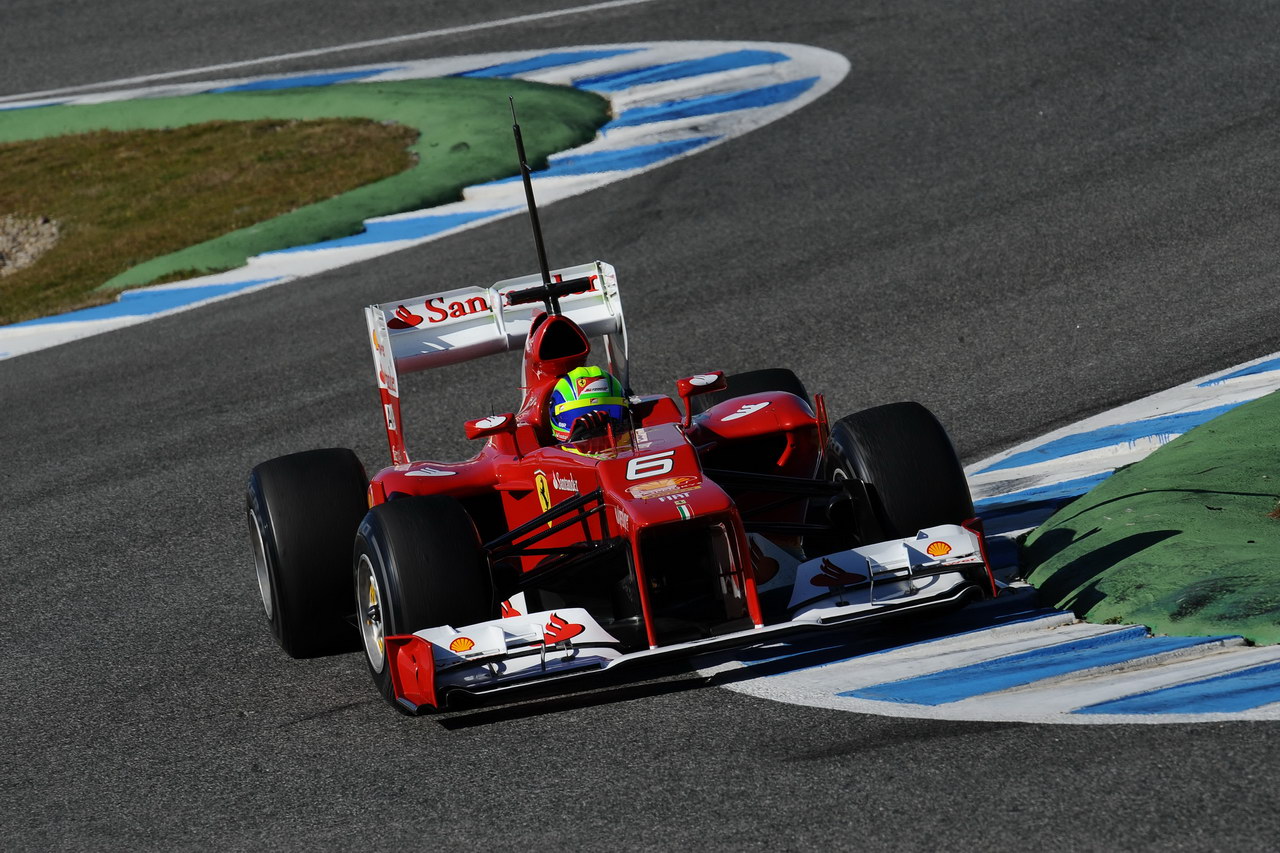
(470, 322)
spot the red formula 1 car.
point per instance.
(724, 520)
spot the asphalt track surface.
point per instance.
(1020, 214)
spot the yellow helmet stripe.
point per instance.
(589, 402)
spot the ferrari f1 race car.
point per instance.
(650, 529)
(597, 529)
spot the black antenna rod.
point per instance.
(552, 301)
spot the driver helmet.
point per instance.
(582, 391)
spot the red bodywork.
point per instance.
(631, 527)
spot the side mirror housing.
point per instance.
(702, 383)
(491, 425)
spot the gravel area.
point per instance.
(23, 240)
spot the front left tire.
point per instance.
(418, 564)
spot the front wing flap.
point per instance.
(525, 650)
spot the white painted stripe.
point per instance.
(340, 48)
(948, 653)
(1052, 700)
(1188, 397)
(1070, 694)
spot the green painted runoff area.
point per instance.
(1185, 542)
(465, 127)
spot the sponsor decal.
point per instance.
(391, 416)
(651, 466)
(668, 486)
(624, 520)
(509, 611)
(833, 575)
(558, 630)
(439, 311)
(938, 549)
(703, 379)
(544, 493)
(592, 385)
(462, 644)
(675, 498)
(491, 422)
(429, 472)
(745, 410)
(404, 319)
(564, 483)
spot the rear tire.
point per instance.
(905, 456)
(752, 382)
(303, 513)
(418, 564)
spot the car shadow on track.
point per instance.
(664, 685)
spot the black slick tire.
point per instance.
(906, 458)
(418, 564)
(303, 511)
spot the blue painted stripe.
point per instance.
(962, 624)
(546, 60)
(765, 96)
(1234, 691)
(1165, 425)
(140, 303)
(1003, 673)
(1054, 493)
(14, 107)
(619, 80)
(998, 525)
(1262, 367)
(399, 229)
(1003, 553)
(622, 159)
(302, 81)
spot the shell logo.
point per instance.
(462, 644)
(938, 549)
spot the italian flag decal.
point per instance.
(684, 511)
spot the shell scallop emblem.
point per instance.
(462, 644)
(938, 549)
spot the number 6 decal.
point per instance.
(650, 466)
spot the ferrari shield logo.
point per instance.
(543, 490)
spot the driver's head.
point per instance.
(585, 391)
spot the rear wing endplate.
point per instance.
(469, 322)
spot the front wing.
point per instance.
(433, 667)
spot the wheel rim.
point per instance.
(369, 602)
(260, 565)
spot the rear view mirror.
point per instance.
(702, 383)
(491, 425)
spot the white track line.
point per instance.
(338, 48)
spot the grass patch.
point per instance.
(464, 138)
(124, 197)
(1180, 541)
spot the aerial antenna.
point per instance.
(549, 292)
(549, 295)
